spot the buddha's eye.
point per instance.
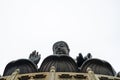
(61, 45)
(56, 47)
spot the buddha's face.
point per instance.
(60, 48)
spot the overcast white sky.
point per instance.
(88, 26)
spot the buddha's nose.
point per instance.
(58, 48)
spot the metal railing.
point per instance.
(52, 75)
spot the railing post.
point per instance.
(14, 74)
(91, 74)
(52, 73)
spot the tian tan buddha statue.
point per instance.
(62, 62)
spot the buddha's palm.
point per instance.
(35, 57)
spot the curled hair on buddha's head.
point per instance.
(59, 42)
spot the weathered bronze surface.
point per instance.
(61, 47)
(24, 65)
(63, 63)
(98, 66)
(35, 57)
(60, 59)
